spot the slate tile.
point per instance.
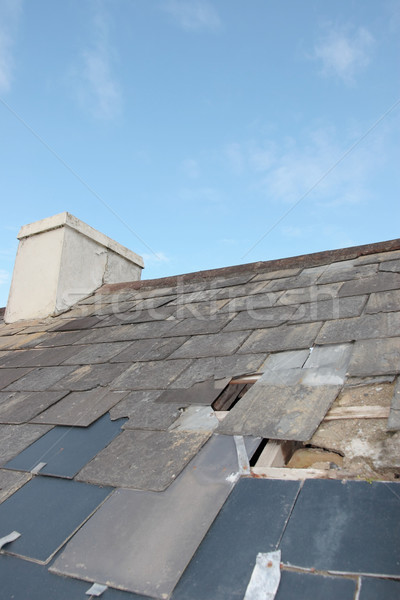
(145, 551)
(383, 302)
(218, 344)
(193, 326)
(149, 350)
(379, 325)
(315, 293)
(390, 265)
(77, 324)
(18, 358)
(80, 409)
(8, 376)
(250, 303)
(296, 586)
(88, 377)
(133, 402)
(40, 379)
(205, 392)
(53, 340)
(65, 450)
(47, 511)
(129, 332)
(291, 359)
(325, 310)
(379, 589)
(253, 287)
(378, 283)
(151, 375)
(218, 368)
(298, 281)
(96, 353)
(158, 314)
(351, 526)
(277, 274)
(50, 357)
(144, 460)
(251, 521)
(19, 407)
(221, 282)
(335, 357)
(260, 318)
(203, 295)
(10, 482)
(148, 415)
(200, 310)
(196, 418)
(378, 257)
(285, 337)
(335, 274)
(19, 340)
(375, 357)
(15, 438)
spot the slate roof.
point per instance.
(161, 434)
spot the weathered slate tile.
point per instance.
(19, 407)
(335, 357)
(10, 482)
(333, 525)
(251, 521)
(193, 326)
(250, 303)
(260, 318)
(378, 258)
(203, 295)
(298, 281)
(65, 450)
(162, 548)
(145, 350)
(378, 283)
(196, 418)
(379, 325)
(253, 287)
(18, 358)
(143, 460)
(315, 293)
(128, 332)
(375, 357)
(88, 377)
(200, 310)
(77, 324)
(282, 412)
(15, 438)
(144, 315)
(345, 273)
(148, 415)
(47, 511)
(39, 380)
(218, 344)
(285, 337)
(373, 588)
(277, 274)
(325, 310)
(51, 357)
(132, 403)
(8, 376)
(96, 353)
(383, 302)
(218, 368)
(291, 359)
(221, 282)
(296, 585)
(80, 409)
(204, 392)
(52, 340)
(391, 265)
(158, 374)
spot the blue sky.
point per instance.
(201, 133)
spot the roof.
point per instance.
(191, 436)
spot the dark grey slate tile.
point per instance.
(143, 460)
(40, 380)
(77, 324)
(128, 405)
(96, 353)
(145, 551)
(47, 511)
(158, 314)
(380, 325)
(285, 337)
(65, 450)
(346, 273)
(20, 407)
(375, 357)
(80, 409)
(218, 344)
(259, 318)
(218, 368)
(18, 358)
(146, 350)
(378, 283)
(52, 340)
(151, 375)
(88, 377)
(50, 357)
(379, 589)
(325, 310)
(390, 265)
(15, 438)
(305, 586)
(128, 332)
(204, 392)
(351, 526)
(8, 376)
(193, 326)
(10, 482)
(383, 302)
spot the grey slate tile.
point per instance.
(18, 358)
(375, 357)
(390, 265)
(158, 374)
(285, 337)
(146, 350)
(200, 310)
(47, 511)
(325, 310)
(296, 586)
(145, 551)
(143, 460)
(19, 407)
(80, 409)
(259, 318)
(15, 438)
(77, 324)
(251, 521)
(378, 257)
(335, 357)
(291, 359)
(379, 589)
(65, 450)
(192, 326)
(336, 526)
(345, 273)
(380, 325)
(378, 283)
(315, 293)
(127, 406)
(204, 392)
(196, 418)
(128, 332)
(52, 340)
(10, 482)
(158, 314)
(50, 357)
(218, 368)
(148, 415)
(277, 274)
(8, 376)
(221, 282)
(88, 377)
(218, 344)
(96, 353)
(253, 302)
(298, 281)
(383, 302)
(40, 379)
(248, 289)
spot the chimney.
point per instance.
(61, 260)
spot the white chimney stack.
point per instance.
(61, 260)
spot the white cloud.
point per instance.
(4, 276)
(193, 15)
(10, 11)
(344, 54)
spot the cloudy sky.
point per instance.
(201, 133)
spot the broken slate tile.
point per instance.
(335, 357)
(383, 302)
(40, 380)
(373, 588)
(375, 357)
(204, 392)
(218, 368)
(219, 344)
(144, 460)
(150, 375)
(196, 418)
(156, 417)
(96, 353)
(15, 438)
(377, 283)
(65, 450)
(285, 337)
(127, 406)
(146, 552)
(333, 525)
(80, 409)
(47, 511)
(296, 585)
(146, 350)
(88, 377)
(291, 359)
(20, 407)
(263, 317)
(380, 325)
(10, 482)
(8, 376)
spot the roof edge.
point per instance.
(303, 260)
